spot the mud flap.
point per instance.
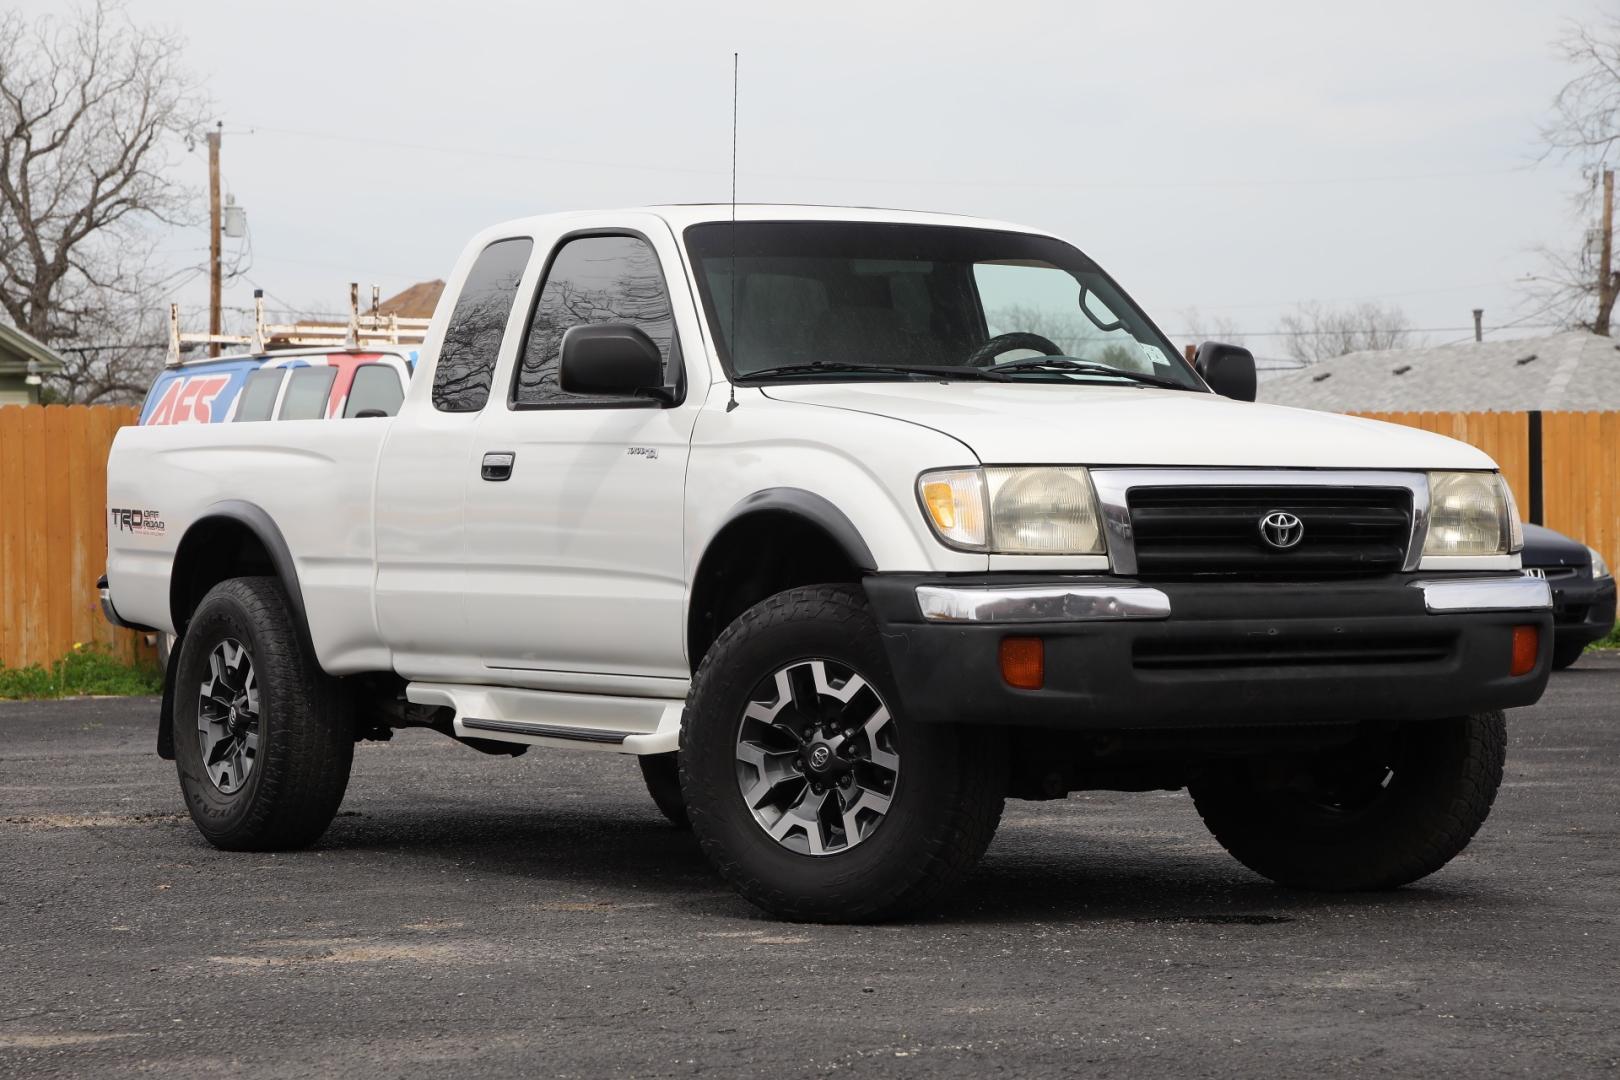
(165, 739)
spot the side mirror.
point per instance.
(1229, 369)
(611, 360)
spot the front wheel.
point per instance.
(263, 742)
(811, 793)
(1393, 807)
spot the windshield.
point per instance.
(852, 300)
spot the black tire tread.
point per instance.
(1247, 827)
(969, 820)
(304, 768)
(661, 773)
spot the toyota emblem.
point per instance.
(1281, 529)
(819, 756)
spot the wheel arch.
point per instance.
(231, 538)
(775, 539)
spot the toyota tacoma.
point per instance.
(849, 525)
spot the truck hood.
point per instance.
(1109, 425)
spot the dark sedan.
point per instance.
(1582, 589)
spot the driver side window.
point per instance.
(592, 279)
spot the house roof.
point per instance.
(416, 302)
(1573, 370)
(18, 348)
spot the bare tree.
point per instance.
(1585, 120)
(91, 107)
(1584, 124)
(1314, 332)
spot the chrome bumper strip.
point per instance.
(1485, 594)
(1041, 603)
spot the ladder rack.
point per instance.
(370, 328)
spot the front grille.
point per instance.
(1265, 651)
(1216, 530)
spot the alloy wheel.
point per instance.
(228, 716)
(817, 760)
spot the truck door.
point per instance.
(574, 572)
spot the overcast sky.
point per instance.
(1235, 157)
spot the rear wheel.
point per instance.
(1392, 808)
(807, 789)
(662, 773)
(263, 740)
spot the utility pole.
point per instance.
(1606, 280)
(213, 237)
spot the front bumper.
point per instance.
(1125, 654)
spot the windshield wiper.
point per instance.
(1081, 367)
(823, 367)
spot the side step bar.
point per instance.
(625, 725)
(549, 731)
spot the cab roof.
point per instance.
(680, 215)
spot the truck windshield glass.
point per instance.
(812, 300)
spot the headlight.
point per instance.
(1600, 569)
(1013, 511)
(1472, 513)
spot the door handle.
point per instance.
(497, 465)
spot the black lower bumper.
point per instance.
(1224, 654)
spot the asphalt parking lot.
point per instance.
(475, 916)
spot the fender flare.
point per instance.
(264, 527)
(815, 509)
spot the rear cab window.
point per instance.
(472, 337)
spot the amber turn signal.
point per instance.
(941, 503)
(1526, 648)
(1023, 662)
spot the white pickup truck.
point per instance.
(850, 524)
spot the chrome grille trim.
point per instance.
(1113, 488)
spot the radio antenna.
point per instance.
(732, 404)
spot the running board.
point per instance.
(624, 725)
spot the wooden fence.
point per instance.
(53, 531)
(1563, 466)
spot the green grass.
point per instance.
(1612, 641)
(87, 670)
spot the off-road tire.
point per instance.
(1565, 654)
(662, 773)
(946, 802)
(306, 730)
(1440, 793)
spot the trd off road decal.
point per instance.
(149, 522)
